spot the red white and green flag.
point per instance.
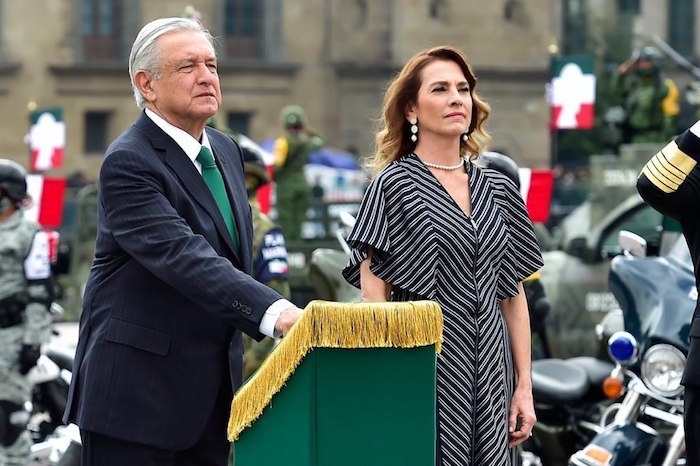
(47, 194)
(572, 92)
(536, 185)
(47, 138)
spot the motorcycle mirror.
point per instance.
(632, 244)
(346, 218)
(347, 221)
(577, 247)
(57, 310)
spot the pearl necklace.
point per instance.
(445, 167)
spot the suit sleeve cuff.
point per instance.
(689, 142)
(695, 129)
(267, 324)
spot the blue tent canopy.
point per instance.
(326, 156)
(335, 158)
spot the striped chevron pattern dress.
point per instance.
(426, 247)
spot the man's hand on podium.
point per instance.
(286, 320)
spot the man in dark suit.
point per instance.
(169, 290)
(670, 183)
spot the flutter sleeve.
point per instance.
(522, 255)
(370, 230)
(393, 222)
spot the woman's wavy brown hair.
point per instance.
(394, 136)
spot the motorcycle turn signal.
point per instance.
(613, 387)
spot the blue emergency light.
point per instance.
(622, 347)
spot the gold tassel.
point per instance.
(326, 324)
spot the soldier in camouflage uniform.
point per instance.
(648, 98)
(291, 154)
(269, 252)
(25, 320)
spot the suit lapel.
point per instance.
(191, 179)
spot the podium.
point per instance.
(352, 384)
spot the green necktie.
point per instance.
(213, 179)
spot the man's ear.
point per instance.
(144, 83)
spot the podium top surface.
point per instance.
(327, 324)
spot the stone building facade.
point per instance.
(334, 57)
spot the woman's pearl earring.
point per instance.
(465, 137)
(414, 129)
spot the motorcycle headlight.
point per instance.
(662, 368)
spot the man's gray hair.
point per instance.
(146, 55)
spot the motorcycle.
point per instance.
(570, 404)
(657, 297)
(54, 444)
(326, 266)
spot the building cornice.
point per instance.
(7, 72)
(365, 70)
(226, 66)
(9, 68)
(258, 66)
(384, 70)
(513, 74)
(107, 69)
(92, 79)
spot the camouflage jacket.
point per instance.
(269, 253)
(25, 275)
(651, 106)
(295, 151)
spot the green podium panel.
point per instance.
(287, 423)
(349, 407)
(352, 384)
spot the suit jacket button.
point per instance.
(235, 304)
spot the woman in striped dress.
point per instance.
(434, 225)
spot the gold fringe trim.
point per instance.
(326, 324)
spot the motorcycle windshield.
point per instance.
(657, 296)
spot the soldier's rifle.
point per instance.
(675, 56)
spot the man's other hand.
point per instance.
(286, 320)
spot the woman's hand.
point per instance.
(522, 417)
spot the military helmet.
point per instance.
(648, 53)
(501, 163)
(254, 165)
(293, 116)
(13, 180)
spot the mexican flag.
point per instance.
(47, 138)
(536, 188)
(572, 92)
(47, 200)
